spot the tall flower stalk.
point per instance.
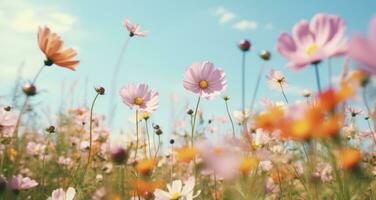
(136, 150)
(226, 99)
(265, 55)
(317, 73)
(194, 121)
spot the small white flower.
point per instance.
(176, 191)
(60, 194)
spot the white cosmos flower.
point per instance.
(176, 191)
(60, 194)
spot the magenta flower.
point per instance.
(364, 49)
(134, 29)
(140, 97)
(204, 80)
(311, 42)
(22, 183)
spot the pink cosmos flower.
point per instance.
(364, 49)
(60, 194)
(322, 38)
(8, 121)
(138, 96)
(134, 29)
(21, 183)
(204, 80)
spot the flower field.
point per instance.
(319, 146)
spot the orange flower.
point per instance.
(52, 46)
(186, 154)
(146, 166)
(270, 119)
(328, 99)
(349, 157)
(329, 127)
(144, 188)
(247, 164)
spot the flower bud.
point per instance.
(7, 108)
(189, 111)
(119, 155)
(29, 89)
(172, 141)
(244, 45)
(100, 90)
(50, 129)
(265, 55)
(158, 132)
(226, 98)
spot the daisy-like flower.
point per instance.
(204, 79)
(276, 79)
(53, 48)
(8, 121)
(19, 182)
(138, 96)
(60, 194)
(354, 111)
(176, 191)
(311, 42)
(134, 29)
(241, 116)
(364, 49)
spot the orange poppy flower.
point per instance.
(52, 47)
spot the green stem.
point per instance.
(194, 120)
(135, 153)
(147, 133)
(90, 133)
(254, 95)
(317, 73)
(229, 116)
(159, 144)
(283, 93)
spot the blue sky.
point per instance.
(181, 32)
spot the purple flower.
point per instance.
(138, 96)
(364, 49)
(204, 80)
(322, 38)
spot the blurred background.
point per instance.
(180, 32)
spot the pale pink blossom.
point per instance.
(60, 194)
(204, 80)
(321, 38)
(364, 49)
(19, 182)
(8, 121)
(134, 29)
(139, 97)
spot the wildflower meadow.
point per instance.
(318, 144)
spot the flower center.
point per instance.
(312, 48)
(203, 84)
(175, 196)
(138, 101)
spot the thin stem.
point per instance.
(194, 120)
(147, 133)
(159, 144)
(90, 133)
(330, 72)
(24, 105)
(243, 80)
(372, 132)
(112, 106)
(257, 86)
(283, 93)
(229, 116)
(317, 73)
(135, 153)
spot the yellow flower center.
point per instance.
(203, 84)
(312, 48)
(138, 101)
(175, 196)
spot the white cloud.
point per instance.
(224, 15)
(245, 25)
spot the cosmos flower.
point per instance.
(60, 194)
(241, 116)
(276, 79)
(364, 49)
(52, 47)
(176, 191)
(311, 42)
(19, 182)
(134, 29)
(8, 121)
(204, 80)
(138, 96)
